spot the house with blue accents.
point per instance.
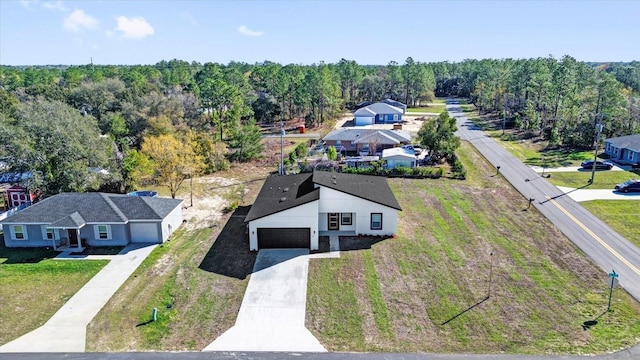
(624, 149)
(378, 113)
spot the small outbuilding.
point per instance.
(399, 157)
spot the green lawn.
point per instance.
(603, 179)
(34, 287)
(434, 108)
(426, 290)
(621, 215)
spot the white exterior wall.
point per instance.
(363, 120)
(172, 222)
(303, 216)
(336, 201)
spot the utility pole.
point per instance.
(281, 172)
(504, 115)
(599, 128)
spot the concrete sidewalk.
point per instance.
(272, 314)
(66, 330)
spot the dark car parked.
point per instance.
(629, 186)
(600, 165)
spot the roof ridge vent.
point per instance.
(334, 182)
(285, 189)
(282, 199)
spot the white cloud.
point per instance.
(27, 3)
(189, 18)
(134, 28)
(248, 32)
(78, 20)
(54, 6)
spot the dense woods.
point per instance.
(78, 128)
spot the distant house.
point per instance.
(353, 140)
(71, 220)
(399, 157)
(624, 149)
(397, 104)
(378, 113)
(292, 211)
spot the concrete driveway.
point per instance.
(271, 317)
(597, 194)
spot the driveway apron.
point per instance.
(272, 314)
(66, 330)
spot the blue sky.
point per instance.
(40, 32)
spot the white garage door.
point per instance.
(144, 232)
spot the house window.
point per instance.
(345, 219)
(376, 221)
(630, 155)
(48, 233)
(103, 232)
(338, 143)
(19, 232)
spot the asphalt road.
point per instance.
(608, 249)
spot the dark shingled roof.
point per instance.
(372, 188)
(79, 208)
(631, 142)
(281, 193)
(71, 221)
(285, 192)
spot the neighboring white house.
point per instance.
(398, 156)
(292, 211)
(624, 149)
(71, 220)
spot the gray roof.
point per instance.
(285, 192)
(395, 103)
(75, 209)
(379, 108)
(631, 142)
(353, 133)
(364, 112)
(377, 137)
(71, 221)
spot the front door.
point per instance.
(334, 221)
(73, 237)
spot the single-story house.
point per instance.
(71, 220)
(399, 157)
(353, 140)
(291, 211)
(624, 149)
(378, 113)
(397, 104)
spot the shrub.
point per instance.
(301, 150)
(332, 153)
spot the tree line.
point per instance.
(112, 128)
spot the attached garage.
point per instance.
(284, 238)
(145, 233)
